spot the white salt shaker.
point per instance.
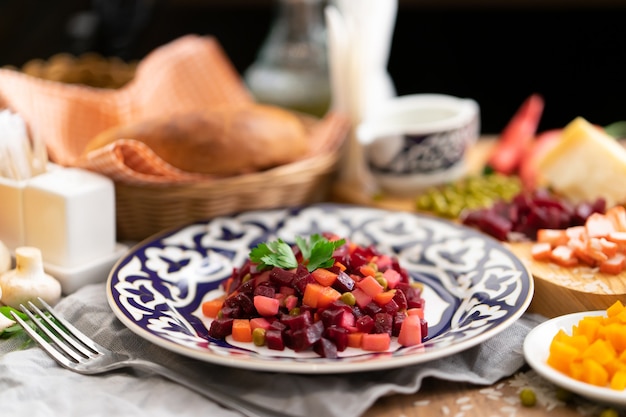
(69, 214)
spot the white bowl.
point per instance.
(418, 141)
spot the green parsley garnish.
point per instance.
(317, 252)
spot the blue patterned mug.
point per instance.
(418, 141)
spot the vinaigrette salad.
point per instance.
(323, 294)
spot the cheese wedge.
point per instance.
(585, 164)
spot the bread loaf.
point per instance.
(223, 142)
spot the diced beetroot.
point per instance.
(303, 339)
(243, 302)
(297, 322)
(278, 325)
(400, 300)
(265, 290)
(424, 325)
(365, 324)
(414, 297)
(383, 323)
(391, 307)
(331, 316)
(274, 339)
(281, 277)
(338, 335)
(325, 348)
(372, 309)
(231, 312)
(301, 281)
(398, 319)
(220, 328)
(347, 320)
(287, 290)
(344, 282)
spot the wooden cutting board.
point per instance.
(558, 290)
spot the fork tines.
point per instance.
(64, 342)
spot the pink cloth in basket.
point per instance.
(187, 74)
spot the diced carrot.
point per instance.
(541, 251)
(410, 331)
(367, 270)
(311, 294)
(242, 332)
(376, 342)
(211, 308)
(324, 276)
(341, 266)
(564, 256)
(328, 296)
(555, 237)
(354, 339)
(614, 265)
(370, 286)
(384, 297)
(266, 306)
(598, 225)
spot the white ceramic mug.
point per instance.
(417, 141)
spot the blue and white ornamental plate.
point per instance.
(474, 287)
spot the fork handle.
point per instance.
(220, 397)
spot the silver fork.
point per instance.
(73, 350)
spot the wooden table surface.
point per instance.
(460, 399)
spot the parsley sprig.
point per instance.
(317, 252)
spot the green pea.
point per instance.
(527, 397)
(258, 336)
(348, 298)
(609, 412)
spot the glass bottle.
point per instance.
(291, 69)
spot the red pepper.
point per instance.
(517, 136)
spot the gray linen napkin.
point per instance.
(32, 383)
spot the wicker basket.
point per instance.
(145, 210)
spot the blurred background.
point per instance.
(573, 52)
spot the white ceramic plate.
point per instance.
(474, 286)
(537, 350)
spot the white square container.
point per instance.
(12, 213)
(70, 215)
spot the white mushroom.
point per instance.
(5, 258)
(28, 280)
(5, 322)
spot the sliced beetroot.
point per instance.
(265, 291)
(528, 212)
(325, 348)
(221, 327)
(303, 339)
(274, 339)
(281, 276)
(344, 282)
(338, 335)
(298, 321)
(365, 324)
(383, 323)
